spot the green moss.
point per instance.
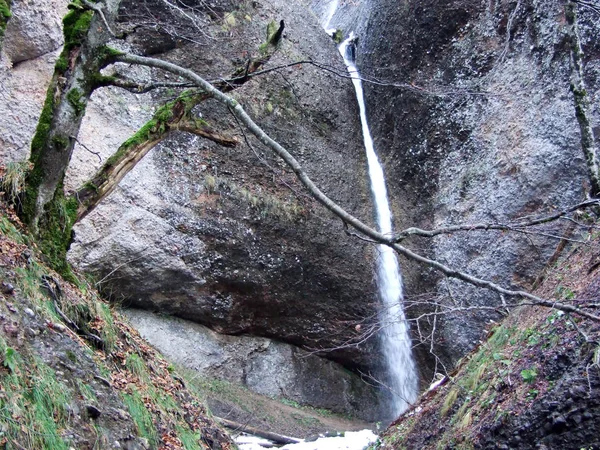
(90, 186)
(74, 96)
(262, 48)
(40, 138)
(62, 63)
(44, 123)
(60, 142)
(271, 29)
(142, 135)
(98, 80)
(338, 36)
(55, 229)
(158, 124)
(106, 55)
(5, 14)
(76, 24)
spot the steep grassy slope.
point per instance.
(73, 374)
(534, 383)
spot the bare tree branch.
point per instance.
(87, 148)
(142, 88)
(517, 226)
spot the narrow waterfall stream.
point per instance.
(396, 343)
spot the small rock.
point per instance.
(11, 329)
(29, 312)
(32, 332)
(8, 289)
(92, 411)
(11, 307)
(559, 423)
(59, 327)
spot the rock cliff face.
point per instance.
(472, 117)
(226, 237)
(480, 127)
(265, 366)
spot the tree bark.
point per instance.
(49, 215)
(72, 84)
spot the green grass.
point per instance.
(137, 366)
(109, 330)
(13, 181)
(189, 439)
(34, 407)
(141, 417)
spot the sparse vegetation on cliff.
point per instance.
(534, 377)
(74, 374)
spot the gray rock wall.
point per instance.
(226, 237)
(482, 130)
(265, 366)
(222, 237)
(32, 41)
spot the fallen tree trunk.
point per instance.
(277, 438)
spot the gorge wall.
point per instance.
(472, 117)
(475, 121)
(225, 237)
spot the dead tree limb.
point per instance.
(333, 207)
(174, 116)
(275, 437)
(516, 226)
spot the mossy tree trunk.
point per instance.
(5, 16)
(173, 116)
(581, 99)
(45, 209)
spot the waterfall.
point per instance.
(396, 343)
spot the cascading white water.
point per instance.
(396, 343)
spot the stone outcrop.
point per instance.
(480, 127)
(265, 366)
(34, 29)
(30, 48)
(226, 237)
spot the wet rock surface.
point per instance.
(480, 128)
